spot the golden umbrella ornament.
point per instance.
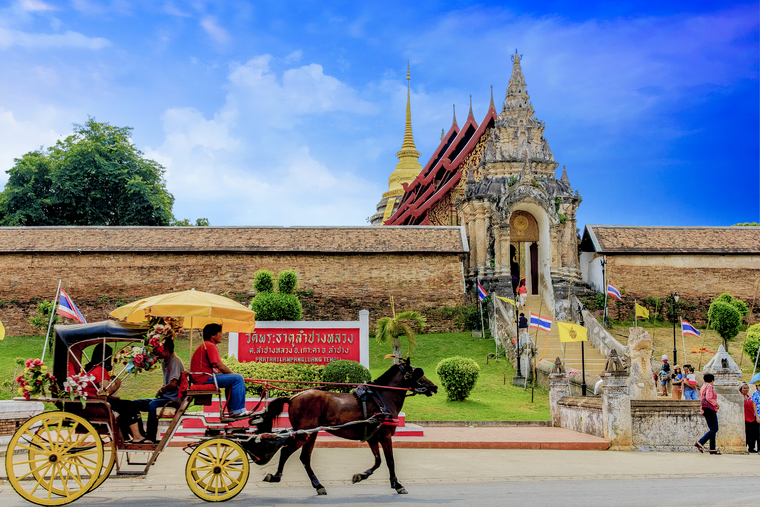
(197, 307)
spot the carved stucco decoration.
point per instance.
(523, 227)
(472, 161)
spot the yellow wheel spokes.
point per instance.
(217, 470)
(54, 458)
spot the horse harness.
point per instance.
(363, 393)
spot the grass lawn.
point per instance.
(662, 338)
(492, 399)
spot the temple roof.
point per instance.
(630, 239)
(440, 175)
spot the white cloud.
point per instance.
(235, 169)
(68, 39)
(21, 137)
(216, 32)
(36, 5)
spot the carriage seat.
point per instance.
(201, 393)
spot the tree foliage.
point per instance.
(42, 319)
(392, 328)
(95, 176)
(725, 319)
(752, 342)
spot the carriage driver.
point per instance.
(206, 360)
(172, 367)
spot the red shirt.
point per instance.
(749, 410)
(100, 374)
(708, 396)
(203, 360)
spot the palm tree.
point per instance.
(394, 327)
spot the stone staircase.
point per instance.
(550, 347)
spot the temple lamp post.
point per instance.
(583, 357)
(604, 288)
(517, 328)
(674, 298)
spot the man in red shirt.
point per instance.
(206, 361)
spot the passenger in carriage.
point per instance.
(207, 361)
(99, 367)
(172, 368)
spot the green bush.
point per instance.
(752, 341)
(275, 306)
(42, 319)
(287, 282)
(467, 319)
(344, 371)
(725, 319)
(263, 281)
(458, 376)
(276, 371)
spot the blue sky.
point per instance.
(291, 113)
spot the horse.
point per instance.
(313, 408)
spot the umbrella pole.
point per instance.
(191, 336)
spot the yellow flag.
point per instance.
(2, 331)
(571, 332)
(641, 311)
(507, 300)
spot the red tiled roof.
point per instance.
(422, 193)
(628, 239)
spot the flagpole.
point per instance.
(50, 324)
(683, 342)
(480, 305)
(495, 338)
(533, 383)
(604, 281)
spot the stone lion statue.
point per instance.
(614, 364)
(557, 368)
(640, 381)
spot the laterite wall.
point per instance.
(341, 270)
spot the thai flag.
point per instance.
(613, 291)
(687, 328)
(67, 308)
(482, 294)
(540, 322)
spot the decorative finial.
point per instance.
(470, 113)
(454, 122)
(408, 75)
(492, 105)
(442, 134)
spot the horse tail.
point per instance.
(273, 410)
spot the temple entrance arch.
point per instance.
(523, 258)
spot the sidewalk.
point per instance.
(517, 436)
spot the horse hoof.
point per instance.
(402, 491)
(271, 478)
(321, 491)
(357, 478)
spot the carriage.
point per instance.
(60, 455)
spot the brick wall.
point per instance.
(337, 285)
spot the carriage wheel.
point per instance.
(109, 460)
(217, 470)
(54, 458)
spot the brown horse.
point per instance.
(313, 408)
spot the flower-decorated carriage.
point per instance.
(58, 456)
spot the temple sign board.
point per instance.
(303, 342)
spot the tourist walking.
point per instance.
(676, 383)
(710, 411)
(689, 383)
(750, 420)
(522, 291)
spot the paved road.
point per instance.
(466, 477)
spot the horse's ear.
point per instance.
(418, 374)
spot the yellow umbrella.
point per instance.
(197, 307)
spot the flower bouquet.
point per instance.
(74, 386)
(144, 357)
(35, 381)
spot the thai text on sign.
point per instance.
(311, 346)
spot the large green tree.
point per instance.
(95, 176)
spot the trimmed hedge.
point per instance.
(458, 376)
(275, 371)
(275, 306)
(263, 281)
(345, 371)
(287, 281)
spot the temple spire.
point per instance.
(491, 105)
(454, 121)
(470, 113)
(408, 166)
